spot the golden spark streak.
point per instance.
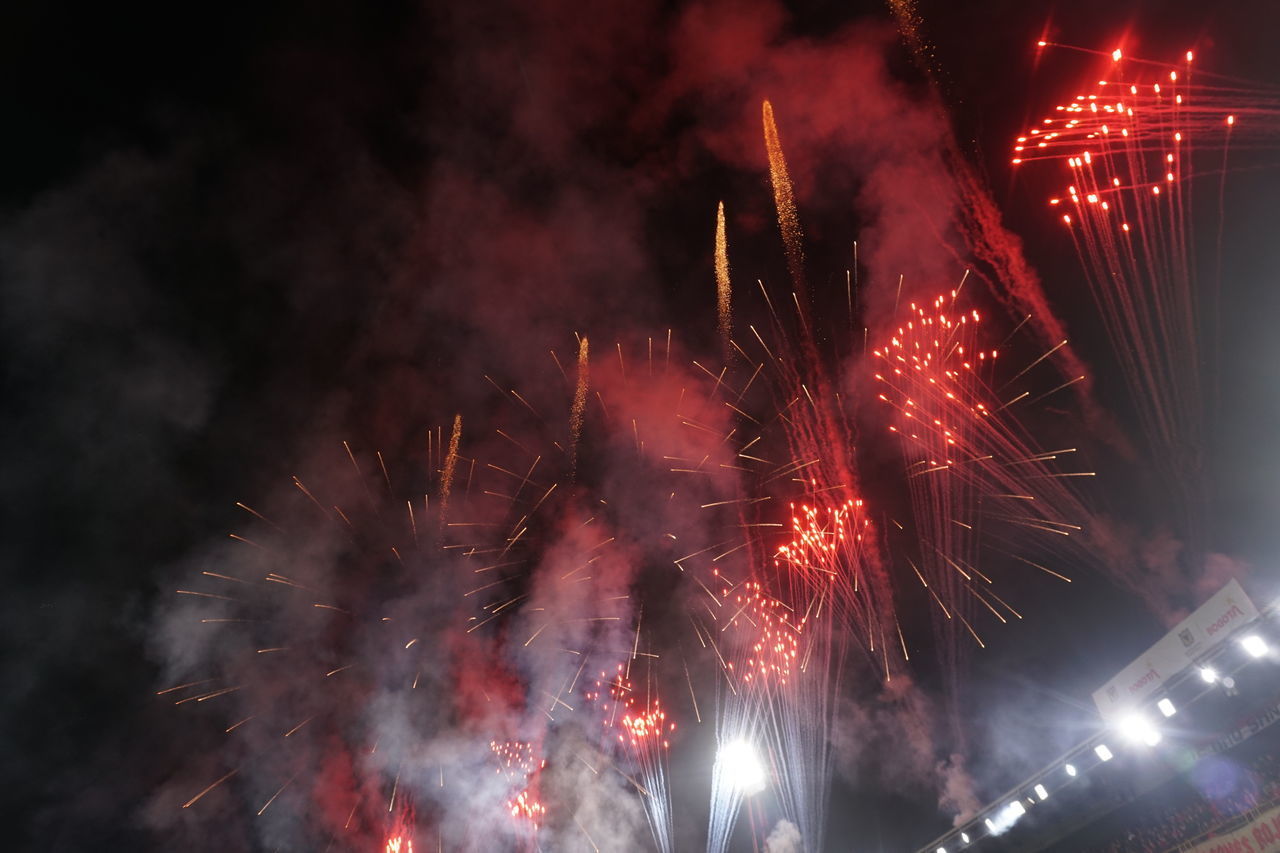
(784, 199)
(181, 686)
(192, 801)
(579, 408)
(1042, 568)
(298, 726)
(723, 291)
(973, 632)
(450, 465)
(276, 794)
(235, 726)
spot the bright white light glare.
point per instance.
(1136, 728)
(1166, 707)
(964, 838)
(1041, 792)
(741, 765)
(1131, 726)
(1006, 817)
(942, 850)
(1208, 674)
(1103, 752)
(1071, 770)
(1254, 645)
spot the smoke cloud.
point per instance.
(784, 838)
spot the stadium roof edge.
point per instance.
(1087, 745)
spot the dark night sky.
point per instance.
(231, 236)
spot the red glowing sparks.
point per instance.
(931, 383)
(526, 806)
(1120, 124)
(641, 725)
(773, 656)
(515, 758)
(1135, 147)
(518, 762)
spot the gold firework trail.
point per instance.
(579, 404)
(450, 464)
(784, 198)
(723, 292)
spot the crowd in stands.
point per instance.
(1171, 817)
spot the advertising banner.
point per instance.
(1208, 626)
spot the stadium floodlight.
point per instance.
(1208, 674)
(1042, 793)
(1166, 707)
(991, 827)
(1136, 728)
(1254, 645)
(1071, 770)
(1016, 808)
(964, 838)
(742, 766)
(942, 850)
(1103, 752)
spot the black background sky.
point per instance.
(214, 220)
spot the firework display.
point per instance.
(973, 472)
(1138, 145)
(537, 560)
(643, 738)
(530, 616)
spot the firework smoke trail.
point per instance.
(1020, 290)
(723, 290)
(1011, 279)
(1225, 106)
